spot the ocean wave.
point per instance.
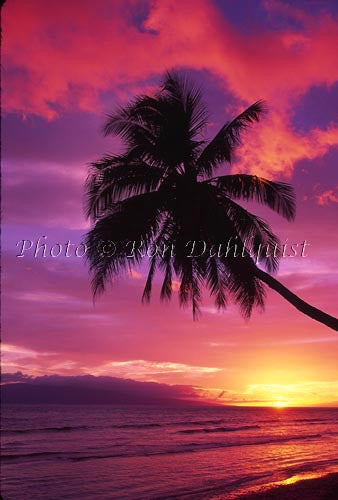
(298, 421)
(218, 429)
(308, 420)
(197, 422)
(196, 447)
(183, 448)
(45, 429)
(13, 456)
(134, 426)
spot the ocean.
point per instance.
(94, 452)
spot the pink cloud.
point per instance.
(140, 369)
(136, 275)
(62, 57)
(191, 34)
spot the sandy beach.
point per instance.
(320, 488)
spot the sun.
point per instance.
(280, 404)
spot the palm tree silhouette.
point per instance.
(161, 191)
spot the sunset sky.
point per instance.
(67, 63)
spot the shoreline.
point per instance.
(323, 487)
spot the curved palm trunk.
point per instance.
(300, 304)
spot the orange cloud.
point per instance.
(274, 147)
(329, 196)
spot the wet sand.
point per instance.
(321, 488)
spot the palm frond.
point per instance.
(279, 196)
(216, 281)
(248, 292)
(163, 127)
(220, 149)
(181, 90)
(254, 231)
(109, 242)
(163, 260)
(149, 282)
(222, 223)
(113, 178)
(190, 287)
(166, 289)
